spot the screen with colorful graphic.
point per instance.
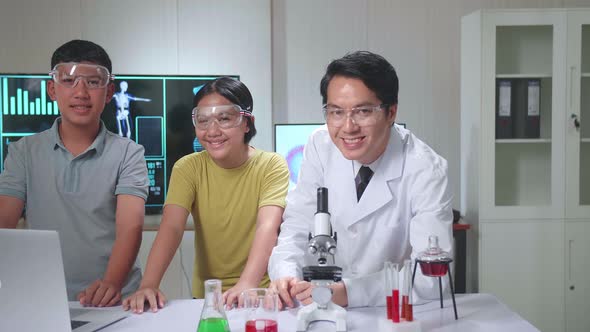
(289, 142)
(154, 111)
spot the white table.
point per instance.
(477, 312)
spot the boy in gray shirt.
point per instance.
(88, 184)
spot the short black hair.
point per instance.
(375, 72)
(234, 91)
(81, 50)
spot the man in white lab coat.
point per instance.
(406, 200)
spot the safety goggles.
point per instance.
(361, 115)
(225, 116)
(69, 74)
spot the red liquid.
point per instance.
(405, 302)
(268, 326)
(434, 269)
(409, 313)
(395, 306)
(389, 309)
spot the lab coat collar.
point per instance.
(378, 193)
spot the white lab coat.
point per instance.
(406, 201)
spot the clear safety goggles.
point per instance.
(225, 116)
(361, 115)
(70, 73)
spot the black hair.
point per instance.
(234, 91)
(81, 50)
(375, 72)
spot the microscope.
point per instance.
(322, 243)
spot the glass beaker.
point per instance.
(261, 306)
(434, 262)
(213, 317)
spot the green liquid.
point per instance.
(213, 325)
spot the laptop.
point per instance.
(33, 289)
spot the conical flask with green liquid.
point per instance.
(213, 317)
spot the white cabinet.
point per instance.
(521, 264)
(577, 281)
(525, 158)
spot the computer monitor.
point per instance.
(152, 110)
(290, 138)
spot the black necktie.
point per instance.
(362, 180)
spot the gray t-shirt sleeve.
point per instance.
(13, 179)
(133, 176)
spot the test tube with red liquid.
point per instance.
(410, 306)
(388, 288)
(392, 291)
(407, 311)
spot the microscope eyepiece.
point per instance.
(322, 200)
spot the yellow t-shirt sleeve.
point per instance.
(182, 190)
(275, 183)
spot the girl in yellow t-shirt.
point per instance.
(235, 193)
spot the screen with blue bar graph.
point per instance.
(154, 111)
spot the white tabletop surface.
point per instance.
(477, 312)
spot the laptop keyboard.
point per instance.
(77, 323)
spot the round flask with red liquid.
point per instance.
(434, 262)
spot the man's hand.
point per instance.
(283, 287)
(153, 296)
(339, 294)
(301, 290)
(100, 294)
(233, 295)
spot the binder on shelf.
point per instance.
(504, 111)
(532, 123)
(526, 108)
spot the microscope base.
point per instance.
(312, 313)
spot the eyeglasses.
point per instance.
(362, 115)
(70, 73)
(226, 116)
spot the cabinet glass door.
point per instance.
(578, 126)
(526, 63)
(524, 58)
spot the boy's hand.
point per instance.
(100, 294)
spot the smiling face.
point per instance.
(225, 146)
(362, 143)
(80, 107)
